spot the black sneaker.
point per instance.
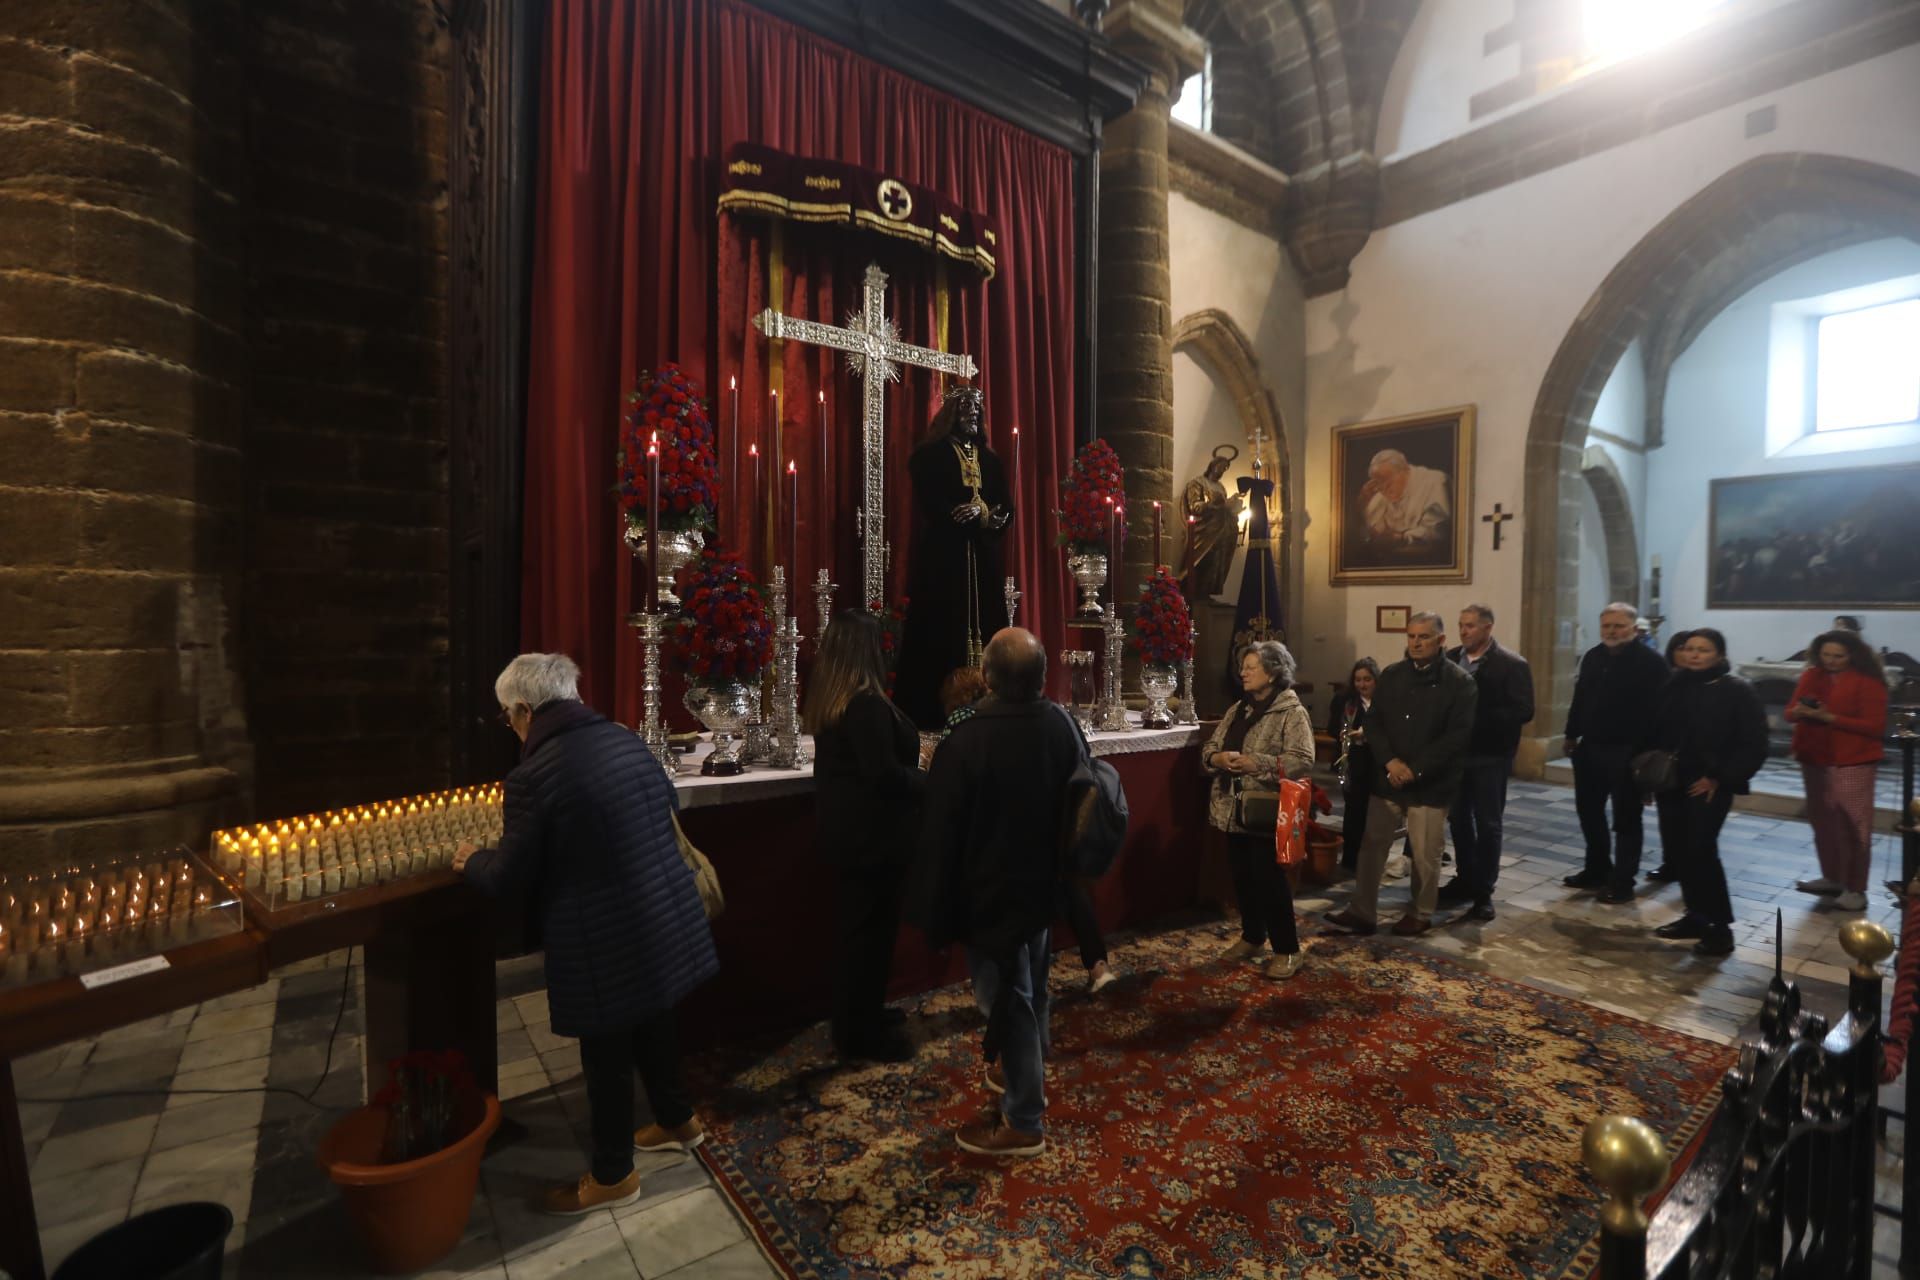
(1718, 941)
(1454, 892)
(1587, 880)
(1684, 927)
(1478, 911)
(1663, 874)
(1616, 894)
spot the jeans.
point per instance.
(1026, 1040)
(1426, 832)
(608, 1062)
(1476, 821)
(1703, 881)
(1266, 899)
(1603, 775)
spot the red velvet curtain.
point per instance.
(632, 267)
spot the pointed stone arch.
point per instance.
(1617, 527)
(1756, 199)
(1220, 345)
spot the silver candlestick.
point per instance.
(788, 751)
(653, 729)
(823, 589)
(1013, 600)
(1183, 712)
(1113, 704)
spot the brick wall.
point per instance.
(222, 489)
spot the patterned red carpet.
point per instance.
(1384, 1114)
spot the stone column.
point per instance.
(1135, 393)
(120, 478)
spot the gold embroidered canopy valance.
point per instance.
(759, 179)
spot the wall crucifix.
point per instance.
(1496, 518)
(875, 352)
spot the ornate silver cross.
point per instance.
(874, 351)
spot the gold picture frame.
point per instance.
(1424, 534)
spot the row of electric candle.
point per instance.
(46, 912)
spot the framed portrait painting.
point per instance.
(1403, 499)
(1847, 538)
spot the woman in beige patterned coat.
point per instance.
(1265, 736)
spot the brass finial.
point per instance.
(1868, 944)
(1627, 1158)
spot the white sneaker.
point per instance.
(1850, 901)
(1822, 885)
(1398, 866)
(1102, 977)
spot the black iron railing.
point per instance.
(1782, 1185)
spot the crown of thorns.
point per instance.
(959, 393)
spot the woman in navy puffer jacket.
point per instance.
(589, 838)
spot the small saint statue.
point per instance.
(1211, 533)
(962, 508)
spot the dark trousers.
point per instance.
(1603, 775)
(868, 909)
(1670, 818)
(1078, 909)
(1266, 899)
(1695, 823)
(1476, 822)
(609, 1062)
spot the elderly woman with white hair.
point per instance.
(589, 840)
(1266, 736)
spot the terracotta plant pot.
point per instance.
(413, 1213)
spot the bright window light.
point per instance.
(1618, 29)
(1195, 107)
(1869, 370)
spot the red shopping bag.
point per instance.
(1290, 832)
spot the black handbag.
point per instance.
(1256, 812)
(1655, 771)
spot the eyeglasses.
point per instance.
(506, 716)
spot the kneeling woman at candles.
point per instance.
(588, 837)
(868, 787)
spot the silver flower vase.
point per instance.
(722, 708)
(676, 548)
(1157, 683)
(1089, 570)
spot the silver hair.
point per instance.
(1275, 657)
(1621, 606)
(537, 679)
(1485, 612)
(1428, 615)
(1387, 458)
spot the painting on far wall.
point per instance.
(1847, 538)
(1403, 499)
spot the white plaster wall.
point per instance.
(1716, 426)
(1621, 412)
(1218, 264)
(1442, 64)
(1467, 305)
(1594, 595)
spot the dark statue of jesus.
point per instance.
(954, 589)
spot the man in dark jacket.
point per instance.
(1505, 703)
(990, 873)
(1418, 729)
(589, 838)
(1610, 722)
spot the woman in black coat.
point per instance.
(588, 837)
(867, 786)
(1713, 723)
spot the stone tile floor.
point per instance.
(95, 1160)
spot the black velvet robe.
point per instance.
(935, 643)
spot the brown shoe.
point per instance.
(1240, 950)
(587, 1195)
(996, 1077)
(1411, 926)
(683, 1137)
(998, 1139)
(1346, 919)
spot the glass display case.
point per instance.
(67, 919)
(319, 856)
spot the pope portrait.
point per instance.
(1406, 508)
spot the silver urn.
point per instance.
(1089, 570)
(676, 548)
(1157, 683)
(723, 709)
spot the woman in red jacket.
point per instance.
(1839, 715)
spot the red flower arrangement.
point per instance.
(723, 633)
(422, 1096)
(1162, 624)
(893, 625)
(669, 406)
(1086, 517)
